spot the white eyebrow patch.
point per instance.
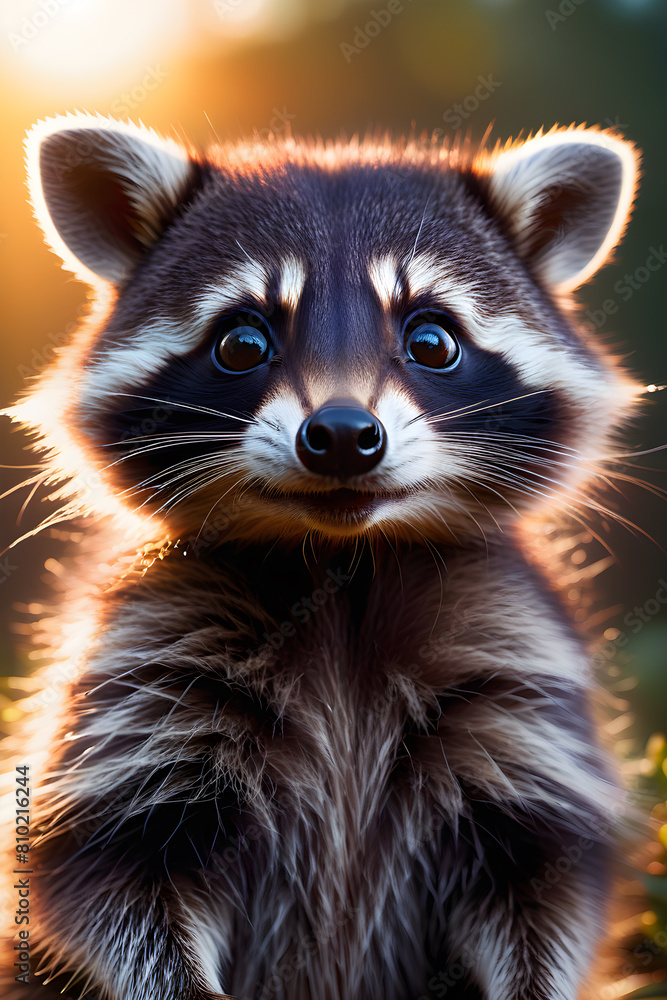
(292, 279)
(232, 288)
(423, 274)
(383, 272)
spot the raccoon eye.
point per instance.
(429, 341)
(243, 343)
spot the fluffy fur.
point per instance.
(325, 735)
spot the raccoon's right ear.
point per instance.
(565, 197)
(103, 191)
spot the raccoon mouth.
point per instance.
(338, 504)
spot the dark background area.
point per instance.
(236, 67)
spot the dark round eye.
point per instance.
(429, 341)
(243, 342)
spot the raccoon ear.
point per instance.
(103, 191)
(566, 197)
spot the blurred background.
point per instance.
(222, 69)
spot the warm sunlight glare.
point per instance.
(68, 42)
(238, 19)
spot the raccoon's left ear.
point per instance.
(566, 198)
(103, 191)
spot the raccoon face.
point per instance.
(343, 339)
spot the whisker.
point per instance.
(197, 484)
(149, 449)
(547, 443)
(27, 500)
(638, 454)
(32, 481)
(606, 475)
(435, 552)
(176, 435)
(185, 467)
(184, 406)
(37, 465)
(421, 225)
(65, 513)
(472, 407)
(219, 500)
(192, 487)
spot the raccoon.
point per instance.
(322, 722)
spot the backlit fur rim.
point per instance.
(513, 151)
(376, 148)
(82, 121)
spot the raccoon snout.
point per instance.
(341, 439)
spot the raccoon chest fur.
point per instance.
(320, 796)
(328, 725)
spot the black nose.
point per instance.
(341, 439)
